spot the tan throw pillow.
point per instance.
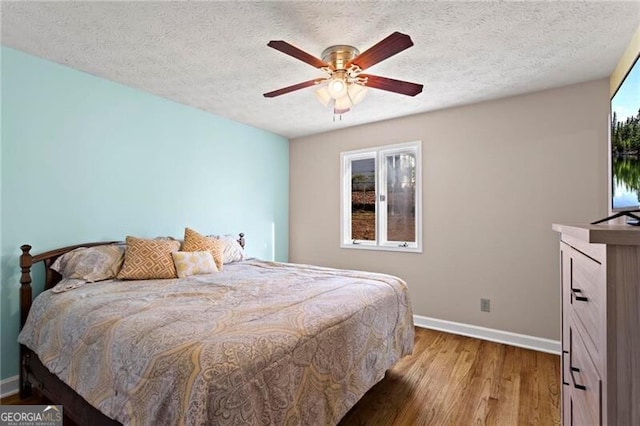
(194, 263)
(194, 241)
(148, 259)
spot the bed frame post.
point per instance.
(241, 239)
(26, 261)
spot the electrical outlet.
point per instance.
(485, 305)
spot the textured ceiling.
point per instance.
(213, 55)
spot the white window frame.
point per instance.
(379, 155)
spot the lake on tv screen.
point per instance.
(626, 181)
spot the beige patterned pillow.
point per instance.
(194, 241)
(90, 264)
(148, 259)
(194, 263)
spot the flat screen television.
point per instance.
(625, 142)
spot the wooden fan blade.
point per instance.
(391, 85)
(395, 43)
(292, 88)
(301, 55)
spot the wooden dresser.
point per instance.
(600, 270)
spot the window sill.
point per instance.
(382, 248)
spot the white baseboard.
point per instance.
(493, 335)
(9, 386)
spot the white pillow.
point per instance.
(233, 251)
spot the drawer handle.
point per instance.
(573, 379)
(576, 293)
(564, 379)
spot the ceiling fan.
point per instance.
(346, 82)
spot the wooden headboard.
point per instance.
(27, 260)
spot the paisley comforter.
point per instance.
(259, 343)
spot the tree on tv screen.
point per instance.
(625, 136)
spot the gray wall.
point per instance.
(496, 175)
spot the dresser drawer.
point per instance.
(587, 293)
(585, 383)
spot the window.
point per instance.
(381, 198)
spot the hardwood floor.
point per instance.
(456, 380)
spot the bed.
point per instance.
(258, 343)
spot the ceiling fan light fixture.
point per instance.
(323, 95)
(338, 84)
(343, 103)
(357, 92)
(337, 87)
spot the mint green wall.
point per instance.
(86, 159)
